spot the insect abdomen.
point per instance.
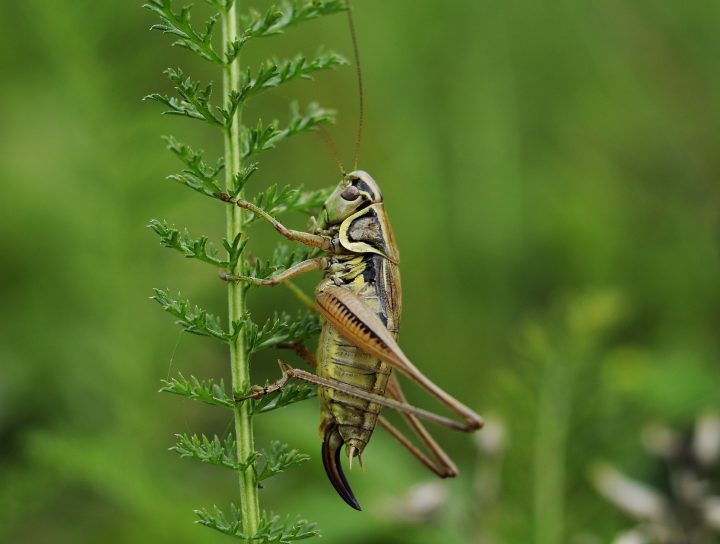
(344, 362)
(347, 419)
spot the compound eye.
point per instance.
(351, 193)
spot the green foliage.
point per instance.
(275, 20)
(294, 391)
(197, 175)
(194, 319)
(206, 391)
(199, 248)
(264, 137)
(185, 244)
(178, 24)
(241, 178)
(256, 24)
(214, 451)
(223, 452)
(276, 201)
(194, 98)
(580, 157)
(284, 256)
(278, 459)
(209, 392)
(281, 328)
(194, 101)
(273, 529)
(273, 73)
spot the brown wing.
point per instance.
(356, 322)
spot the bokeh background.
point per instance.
(551, 172)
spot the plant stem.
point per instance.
(239, 359)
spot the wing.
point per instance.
(356, 322)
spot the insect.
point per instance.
(360, 301)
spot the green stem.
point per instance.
(239, 358)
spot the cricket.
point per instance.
(359, 299)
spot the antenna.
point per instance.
(359, 82)
(325, 135)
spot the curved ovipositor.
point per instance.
(332, 445)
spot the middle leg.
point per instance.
(442, 465)
(402, 407)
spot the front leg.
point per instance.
(305, 238)
(318, 263)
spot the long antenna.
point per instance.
(359, 82)
(325, 135)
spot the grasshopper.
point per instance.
(360, 301)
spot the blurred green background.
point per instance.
(551, 173)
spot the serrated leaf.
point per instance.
(271, 530)
(234, 250)
(276, 530)
(198, 175)
(273, 73)
(277, 201)
(215, 519)
(282, 328)
(194, 319)
(274, 20)
(284, 256)
(241, 178)
(207, 391)
(182, 241)
(277, 459)
(219, 452)
(194, 101)
(178, 24)
(265, 137)
(292, 392)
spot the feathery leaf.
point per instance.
(178, 24)
(195, 320)
(292, 392)
(220, 452)
(272, 529)
(264, 137)
(183, 242)
(198, 175)
(194, 101)
(206, 391)
(282, 328)
(278, 459)
(275, 20)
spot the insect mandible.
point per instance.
(359, 299)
